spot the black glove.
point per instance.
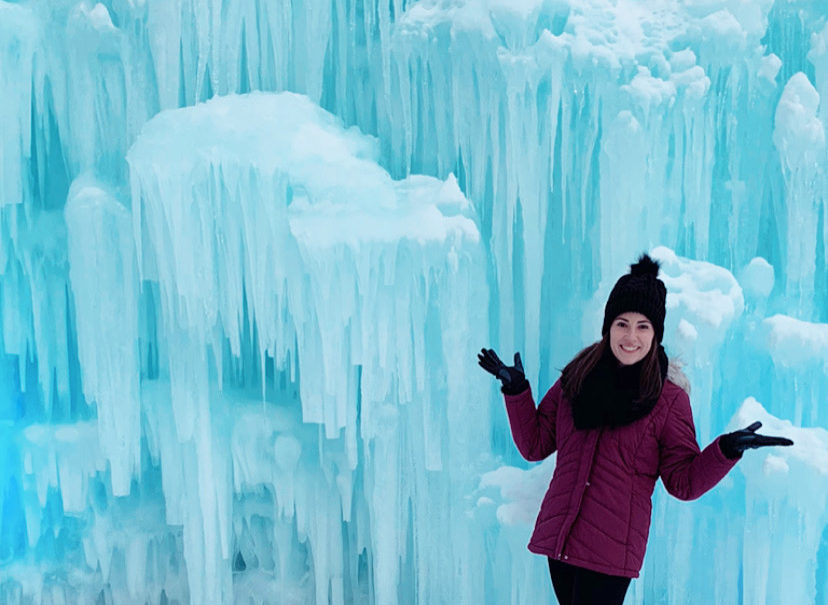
(513, 379)
(733, 444)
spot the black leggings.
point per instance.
(579, 586)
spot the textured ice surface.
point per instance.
(786, 496)
(757, 279)
(793, 342)
(263, 206)
(102, 259)
(248, 251)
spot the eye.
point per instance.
(644, 326)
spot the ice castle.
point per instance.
(250, 248)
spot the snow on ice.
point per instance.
(248, 252)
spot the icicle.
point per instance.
(799, 135)
(785, 514)
(19, 39)
(102, 258)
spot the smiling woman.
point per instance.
(631, 337)
(618, 420)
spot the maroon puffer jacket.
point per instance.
(596, 512)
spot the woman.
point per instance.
(619, 420)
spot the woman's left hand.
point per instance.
(733, 444)
(513, 379)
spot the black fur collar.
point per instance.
(608, 394)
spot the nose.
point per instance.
(629, 333)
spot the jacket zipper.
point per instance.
(581, 497)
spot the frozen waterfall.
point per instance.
(248, 251)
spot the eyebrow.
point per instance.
(638, 323)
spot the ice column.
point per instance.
(102, 258)
(395, 289)
(264, 207)
(201, 48)
(35, 308)
(799, 354)
(91, 91)
(799, 136)
(818, 55)
(19, 39)
(646, 168)
(786, 492)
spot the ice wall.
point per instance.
(238, 330)
(263, 215)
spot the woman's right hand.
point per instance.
(513, 379)
(735, 443)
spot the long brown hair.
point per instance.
(576, 371)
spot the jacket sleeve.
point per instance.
(534, 429)
(686, 472)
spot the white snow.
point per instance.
(799, 134)
(769, 67)
(518, 492)
(98, 16)
(757, 278)
(708, 297)
(241, 363)
(786, 501)
(810, 446)
(792, 342)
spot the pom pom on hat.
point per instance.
(645, 266)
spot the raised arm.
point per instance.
(533, 430)
(687, 472)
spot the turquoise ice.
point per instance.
(248, 251)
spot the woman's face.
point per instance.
(631, 336)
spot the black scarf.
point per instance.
(609, 393)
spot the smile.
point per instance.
(629, 349)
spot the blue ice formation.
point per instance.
(248, 251)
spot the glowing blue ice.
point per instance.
(248, 252)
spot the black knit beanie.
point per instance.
(640, 291)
